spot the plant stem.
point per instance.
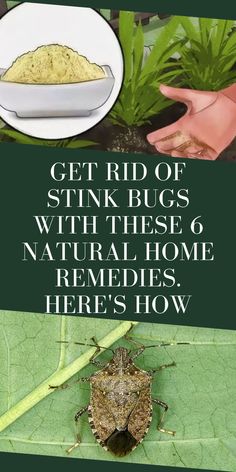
(59, 377)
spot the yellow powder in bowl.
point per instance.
(52, 64)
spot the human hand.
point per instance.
(206, 129)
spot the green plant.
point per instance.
(21, 138)
(209, 56)
(140, 97)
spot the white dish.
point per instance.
(59, 100)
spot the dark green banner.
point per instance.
(164, 6)
(39, 462)
(157, 248)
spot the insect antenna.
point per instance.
(166, 344)
(86, 344)
(140, 348)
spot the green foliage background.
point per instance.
(200, 391)
(140, 97)
(209, 58)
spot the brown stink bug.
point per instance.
(120, 407)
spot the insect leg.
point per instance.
(160, 424)
(77, 417)
(64, 386)
(139, 346)
(98, 363)
(137, 352)
(81, 412)
(92, 359)
(132, 341)
(153, 371)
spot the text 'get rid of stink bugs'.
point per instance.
(120, 406)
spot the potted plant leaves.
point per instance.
(140, 100)
(208, 57)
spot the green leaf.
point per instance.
(126, 29)
(200, 391)
(19, 137)
(229, 44)
(209, 56)
(24, 139)
(161, 44)
(134, 107)
(138, 51)
(64, 369)
(205, 25)
(223, 29)
(189, 28)
(80, 143)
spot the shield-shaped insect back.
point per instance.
(121, 402)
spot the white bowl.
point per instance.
(59, 100)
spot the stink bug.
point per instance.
(120, 407)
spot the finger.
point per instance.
(195, 100)
(175, 141)
(203, 154)
(177, 154)
(164, 133)
(183, 155)
(186, 146)
(178, 94)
